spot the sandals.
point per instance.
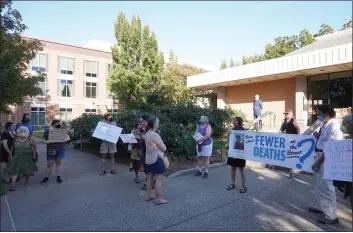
(161, 202)
(103, 172)
(113, 172)
(137, 180)
(232, 186)
(243, 190)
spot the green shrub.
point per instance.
(177, 124)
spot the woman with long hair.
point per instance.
(236, 162)
(55, 153)
(137, 160)
(23, 157)
(6, 143)
(155, 149)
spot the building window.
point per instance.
(90, 110)
(66, 65)
(38, 116)
(108, 68)
(39, 63)
(91, 69)
(66, 88)
(91, 90)
(66, 114)
(43, 87)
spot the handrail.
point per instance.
(267, 113)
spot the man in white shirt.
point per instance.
(324, 190)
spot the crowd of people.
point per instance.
(19, 154)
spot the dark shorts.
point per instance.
(236, 162)
(60, 154)
(156, 168)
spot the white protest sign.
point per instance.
(197, 136)
(107, 132)
(338, 160)
(285, 150)
(128, 138)
(58, 135)
(236, 144)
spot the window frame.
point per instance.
(91, 75)
(91, 87)
(66, 111)
(38, 66)
(72, 88)
(90, 110)
(39, 110)
(67, 67)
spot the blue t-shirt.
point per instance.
(29, 126)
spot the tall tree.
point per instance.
(223, 65)
(252, 59)
(347, 24)
(305, 38)
(231, 64)
(137, 62)
(16, 52)
(281, 47)
(173, 86)
(324, 29)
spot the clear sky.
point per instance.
(199, 31)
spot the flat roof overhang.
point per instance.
(331, 60)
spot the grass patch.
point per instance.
(38, 134)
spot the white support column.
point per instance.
(221, 97)
(301, 101)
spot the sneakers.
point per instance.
(59, 180)
(45, 180)
(198, 173)
(205, 174)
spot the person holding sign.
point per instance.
(108, 149)
(235, 162)
(324, 189)
(55, 152)
(204, 145)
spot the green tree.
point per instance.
(173, 85)
(232, 64)
(348, 24)
(15, 54)
(281, 47)
(324, 29)
(252, 59)
(223, 65)
(137, 63)
(305, 38)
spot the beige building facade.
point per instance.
(315, 74)
(75, 84)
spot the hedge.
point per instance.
(177, 124)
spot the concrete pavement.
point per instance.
(88, 202)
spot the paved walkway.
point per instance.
(87, 202)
